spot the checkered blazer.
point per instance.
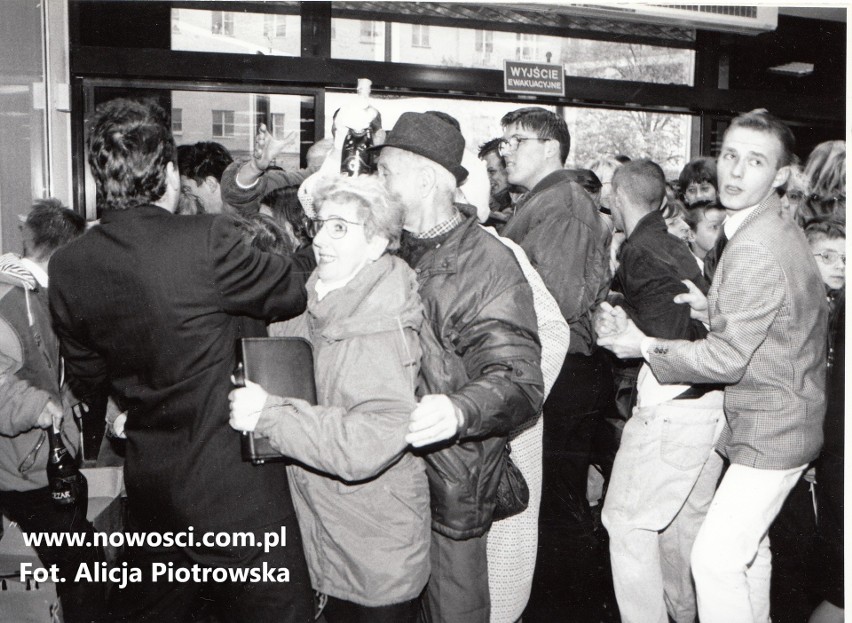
(768, 323)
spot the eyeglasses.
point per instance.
(794, 195)
(830, 257)
(511, 144)
(337, 227)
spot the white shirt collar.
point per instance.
(733, 221)
(36, 270)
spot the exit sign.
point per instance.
(533, 78)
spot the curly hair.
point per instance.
(129, 145)
(382, 214)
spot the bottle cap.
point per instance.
(364, 85)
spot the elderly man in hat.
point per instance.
(480, 374)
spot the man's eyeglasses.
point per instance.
(337, 227)
(830, 258)
(511, 144)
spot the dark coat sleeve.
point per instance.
(501, 354)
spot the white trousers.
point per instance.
(731, 560)
(661, 486)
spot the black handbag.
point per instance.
(513, 494)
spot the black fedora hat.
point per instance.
(431, 137)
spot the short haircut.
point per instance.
(129, 145)
(544, 123)
(52, 226)
(695, 213)
(697, 171)
(825, 229)
(643, 182)
(585, 178)
(206, 159)
(490, 147)
(382, 214)
(761, 121)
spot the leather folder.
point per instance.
(283, 366)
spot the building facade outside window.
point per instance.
(223, 123)
(369, 31)
(420, 36)
(525, 49)
(485, 41)
(177, 121)
(222, 23)
(278, 125)
(274, 26)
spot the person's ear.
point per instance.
(781, 177)
(426, 180)
(551, 149)
(376, 247)
(212, 184)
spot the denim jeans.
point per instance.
(662, 483)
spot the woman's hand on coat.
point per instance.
(246, 406)
(434, 419)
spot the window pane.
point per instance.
(595, 132)
(467, 47)
(279, 130)
(237, 33)
(358, 39)
(229, 118)
(177, 121)
(665, 138)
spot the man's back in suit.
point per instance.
(148, 307)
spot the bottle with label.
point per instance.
(67, 485)
(354, 159)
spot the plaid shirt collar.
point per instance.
(441, 228)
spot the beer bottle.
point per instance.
(354, 159)
(66, 483)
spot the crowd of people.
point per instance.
(512, 359)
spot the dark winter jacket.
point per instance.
(480, 347)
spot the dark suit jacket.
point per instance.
(150, 303)
(767, 343)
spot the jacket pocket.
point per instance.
(687, 440)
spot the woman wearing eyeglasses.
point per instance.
(362, 499)
(826, 175)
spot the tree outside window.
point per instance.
(419, 36)
(223, 123)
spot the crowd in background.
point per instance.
(662, 362)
